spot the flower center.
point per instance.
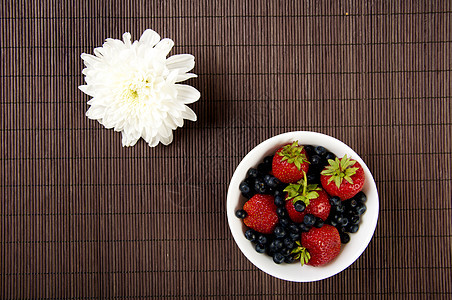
(142, 88)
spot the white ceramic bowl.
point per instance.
(295, 272)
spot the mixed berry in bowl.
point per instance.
(302, 204)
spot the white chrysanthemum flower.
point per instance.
(134, 88)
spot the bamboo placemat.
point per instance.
(84, 218)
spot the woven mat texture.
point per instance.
(84, 218)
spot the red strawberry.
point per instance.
(343, 177)
(319, 207)
(318, 246)
(290, 162)
(261, 213)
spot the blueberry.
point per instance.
(344, 221)
(353, 228)
(252, 173)
(250, 235)
(338, 218)
(279, 232)
(335, 201)
(289, 259)
(293, 228)
(241, 214)
(315, 160)
(361, 197)
(259, 186)
(361, 208)
(262, 239)
(278, 193)
(244, 187)
(319, 150)
(271, 181)
(281, 212)
(341, 229)
(264, 168)
(330, 155)
(332, 223)
(353, 203)
(309, 219)
(285, 251)
(268, 160)
(248, 195)
(299, 206)
(313, 177)
(354, 220)
(345, 238)
(260, 248)
(339, 208)
(279, 201)
(288, 242)
(309, 149)
(275, 245)
(278, 258)
(304, 227)
(295, 236)
(285, 222)
(318, 223)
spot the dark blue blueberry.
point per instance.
(250, 235)
(345, 238)
(339, 208)
(335, 201)
(268, 160)
(304, 227)
(281, 212)
(279, 232)
(353, 228)
(260, 248)
(275, 245)
(361, 197)
(279, 201)
(309, 219)
(354, 220)
(319, 150)
(344, 221)
(285, 251)
(259, 186)
(294, 228)
(262, 239)
(244, 187)
(252, 173)
(313, 177)
(330, 155)
(278, 193)
(353, 203)
(263, 168)
(315, 160)
(271, 181)
(338, 218)
(361, 208)
(248, 195)
(289, 259)
(295, 236)
(299, 206)
(309, 149)
(285, 222)
(318, 223)
(332, 223)
(241, 214)
(278, 258)
(288, 242)
(341, 229)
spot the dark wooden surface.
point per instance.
(84, 218)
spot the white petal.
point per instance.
(127, 140)
(187, 94)
(127, 37)
(182, 62)
(189, 114)
(150, 38)
(167, 140)
(183, 77)
(165, 46)
(154, 142)
(89, 59)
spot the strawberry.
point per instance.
(318, 246)
(316, 200)
(343, 177)
(290, 162)
(261, 213)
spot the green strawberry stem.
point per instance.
(302, 191)
(301, 253)
(292, 153)
(340, 170)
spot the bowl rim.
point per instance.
(254, 156)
